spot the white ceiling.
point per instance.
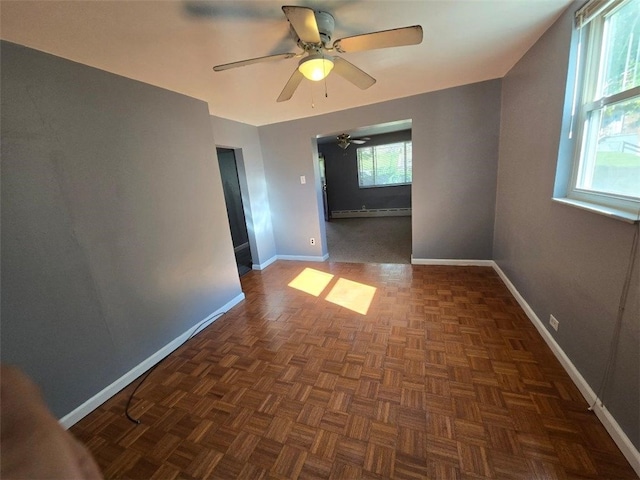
(175, 44)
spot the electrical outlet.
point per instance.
(553, 321)
(312, 241)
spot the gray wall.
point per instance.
(341, 167)
(115, 238)
(455, 151)
(566, 262)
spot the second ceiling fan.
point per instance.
(312, 31)
(344, 140)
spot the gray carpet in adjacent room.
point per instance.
(369, 240)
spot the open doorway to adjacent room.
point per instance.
(366, 177)
(235, 209)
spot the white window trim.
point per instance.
(614, 213)
(614, 206)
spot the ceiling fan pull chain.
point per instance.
(313, 105)
(326, 95)
(324, 67)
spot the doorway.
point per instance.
(366, 186)
(235, 209)
(323, 186)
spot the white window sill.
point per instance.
(606, 211)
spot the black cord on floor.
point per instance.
(196, 330)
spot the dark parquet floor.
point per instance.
(444, 377)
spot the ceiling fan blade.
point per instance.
(396, 37)
(350, 72)
(303, 21)
(358, 142)
(251, 61)
(290, 87)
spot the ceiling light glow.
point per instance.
(316, 67)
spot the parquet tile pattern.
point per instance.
(443, 378)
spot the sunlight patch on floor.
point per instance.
(311, 281)
(355, 296)
(352, 295)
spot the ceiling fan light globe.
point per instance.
(316, 67)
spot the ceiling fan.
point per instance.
(312, 31)
(344, 140)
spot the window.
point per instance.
(384, 165)
(606, 169)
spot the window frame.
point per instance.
(373, 148)
(587, 85)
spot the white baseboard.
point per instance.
(617, 434)
(263, 265)
(304, 258)
(452, 262)
(300, 258)
(105, 394)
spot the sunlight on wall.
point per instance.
(346, 293)
(311, 281)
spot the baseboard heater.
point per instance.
(372, 212)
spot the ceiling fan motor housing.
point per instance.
(326, 24)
